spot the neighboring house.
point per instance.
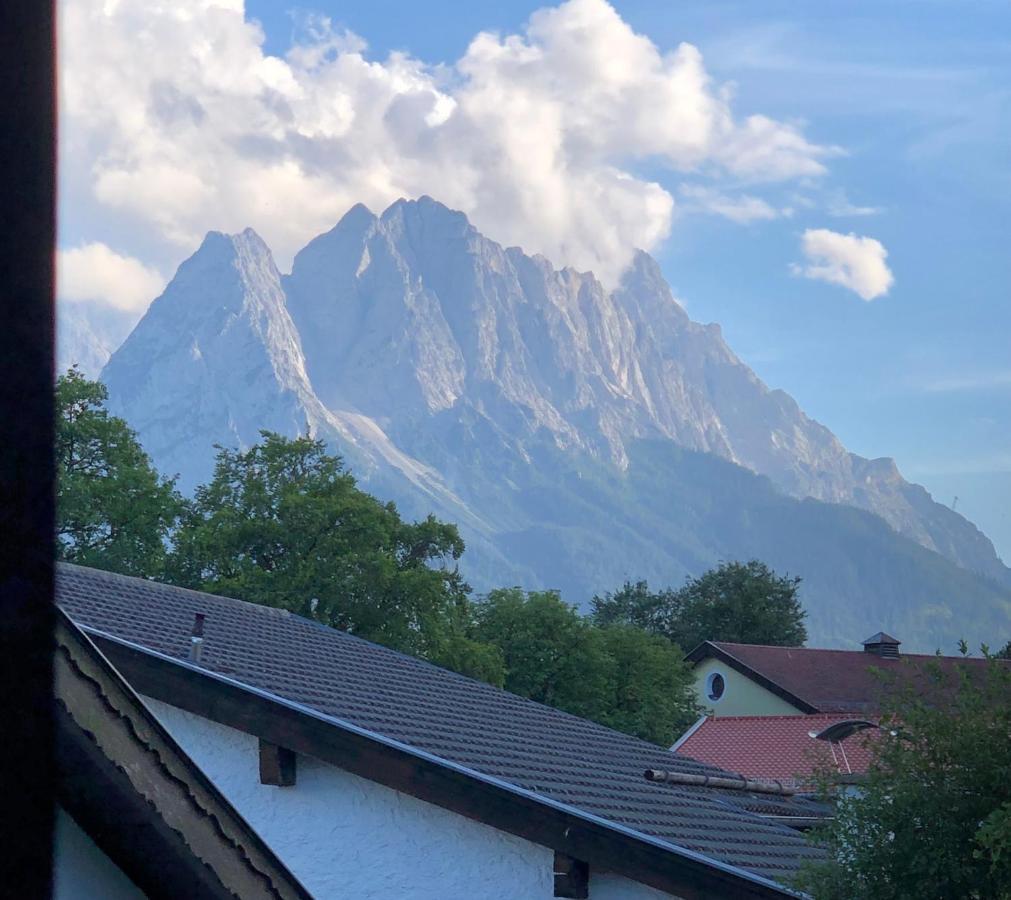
(374, 774)
(758, 680)
(791, 750)
(136, 817)
(788, 713)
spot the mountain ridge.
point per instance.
(450, 371)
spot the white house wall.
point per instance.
(344, 836)
(81, 871)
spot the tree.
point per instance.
(284, 524)
(551, 654)
(113, 510)
(650, 687)
(617, 675)
(737, 602)
(934, 816)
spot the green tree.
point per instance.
(618, 676)
(737, 602)
(284, 524)
(551, 654)
(933, 819)
(650, 686)
(113, 511)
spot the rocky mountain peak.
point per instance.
(430, 354)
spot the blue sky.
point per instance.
(905, 108)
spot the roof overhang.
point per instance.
(128, 785)
(711, 650)
(606, 845)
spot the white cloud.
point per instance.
(742, 208)
(840, 206)
(175, 121)
(855, 262)
(93, 272)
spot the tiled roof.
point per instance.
(551, 753)
(776, 747)
(833, 681)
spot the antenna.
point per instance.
(954, 503)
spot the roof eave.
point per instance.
(442, 782)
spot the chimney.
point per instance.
(197, 637)
(882, 644)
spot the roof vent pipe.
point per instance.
(197, 637)
(882, 644)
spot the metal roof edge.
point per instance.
(695, 726)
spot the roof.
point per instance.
(562, 761)
(827, 681)
(776, 748)
(130, 787)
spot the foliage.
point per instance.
(650, 686)
(934, 817)
(737, 602)
(284, 524)
(113, 511)
(616, 675)
(551, 653)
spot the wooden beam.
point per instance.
(277, 765)
(572, 877)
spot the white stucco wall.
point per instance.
(81, 871)
(344, 836)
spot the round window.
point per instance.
(715, 686)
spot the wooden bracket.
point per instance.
(277, 764)
(572, 877)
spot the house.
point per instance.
(759, 680)
(374, 774)
(791, 750)
(789, 714)
(136, 817)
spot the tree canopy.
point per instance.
(738, 602)
(934, 816)
(617, 675)
(113, 510)
(284, 524)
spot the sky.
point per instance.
(831, 182)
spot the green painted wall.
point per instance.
(742, 696)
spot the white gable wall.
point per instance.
(345, 836)
(82, 871)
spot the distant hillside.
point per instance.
(578, 436)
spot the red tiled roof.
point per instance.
(776, 747)
(828, 681)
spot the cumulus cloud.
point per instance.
(175, 121)
(855, 262)
(93, 272)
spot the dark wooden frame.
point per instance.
(28, 203)
(388, 763)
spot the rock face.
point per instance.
(459, 375)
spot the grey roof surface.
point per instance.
(543, 750)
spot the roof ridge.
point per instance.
(345, 635)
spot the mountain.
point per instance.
(86, 336)
(578, 435)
